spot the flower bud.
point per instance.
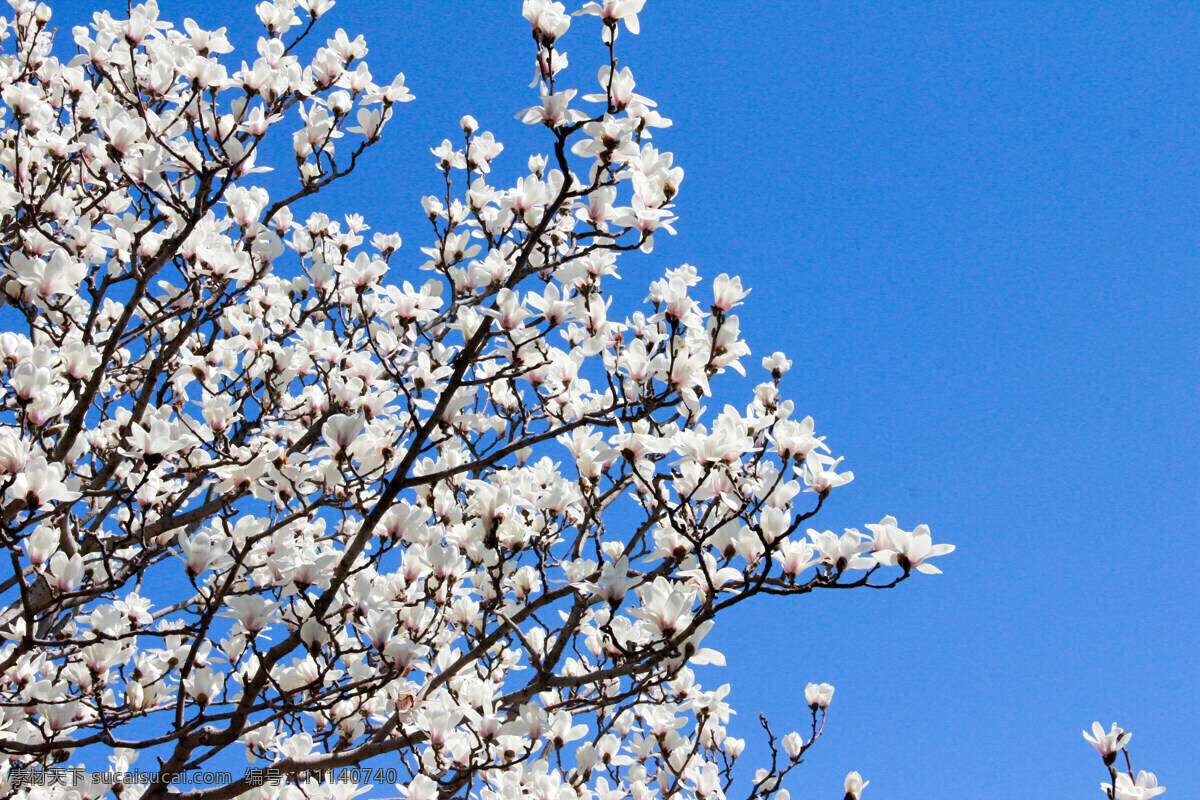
(854, 786)
(793, 745)
(734, 747)
(818, 695)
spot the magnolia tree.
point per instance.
(273, 497)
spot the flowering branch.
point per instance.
(262, 498)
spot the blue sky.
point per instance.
(974, 228)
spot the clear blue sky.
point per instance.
(974, 228)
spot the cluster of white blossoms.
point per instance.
(1121, 785)
(262, 498)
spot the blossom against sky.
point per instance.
(973, 227)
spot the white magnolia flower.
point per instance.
(842, 552)
(1126, 788)
(818, 695)
(793, 745)
(40, 484)
(1110, 743)
(41, 545)
(254, 612)
(854, 786)
(200, 551)
(612, 11)
(155, 444)
(204, 685)
(66, 571)
(777, 364)
(14, 452)
(909, 550)
(341, 430)
(549, 19)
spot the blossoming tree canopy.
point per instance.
(271, 491)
